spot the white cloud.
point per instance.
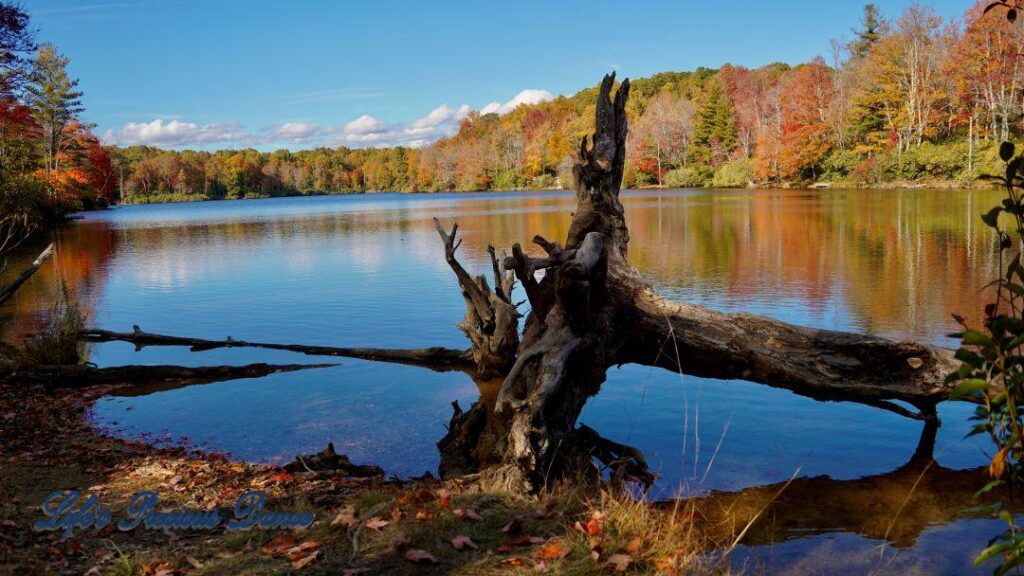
(439, 116)
(441, 122)
(297, 132)
(174, 133)
(528, 96)
(364, 126)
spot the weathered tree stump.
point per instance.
(591, 310)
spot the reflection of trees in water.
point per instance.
(897, 258)
(80, 261)
(901, 260)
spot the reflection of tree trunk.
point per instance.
(897, 506)
(592, 310)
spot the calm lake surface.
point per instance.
(369, 271)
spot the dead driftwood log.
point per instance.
(591, 310)
(441, 359)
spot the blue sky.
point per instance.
(236, 73)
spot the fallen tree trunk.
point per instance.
(7, 292)
(819, 364)
(78, 376)
(441, 359)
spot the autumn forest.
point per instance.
(911, 98)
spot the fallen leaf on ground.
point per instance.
(301, 550)
(463, 542)
(376, 523)
(635, 545)
(620, 562)
(346, 517)
(195, 563)
(444, 498)
(279, 545)
(420, 557)
(281, 477)
(554, 551)
(305, 561)
(513, 527)
(468, 513)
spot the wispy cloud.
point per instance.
(84, 9)
(330, 95)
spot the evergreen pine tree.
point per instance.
(54, 101)
(873, 27)
(714, 136)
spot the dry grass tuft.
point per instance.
(58, 342)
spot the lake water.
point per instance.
(369, 271)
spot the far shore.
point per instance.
(890, 185)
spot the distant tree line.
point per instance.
(914, 98)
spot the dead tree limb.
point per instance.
(6, 292)
(442, 359)
(491, 322)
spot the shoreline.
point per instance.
(809, 186)
(361, 525)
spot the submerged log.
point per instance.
(592, 310)
(330, 462)
(441, 359)
(78, 376)
(7, 292)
